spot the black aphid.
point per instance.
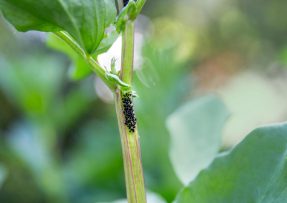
(125, 2)
(128, 111)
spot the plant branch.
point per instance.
(127, 53)
(69, 40)
(129, 136)
(140, 5)
(101, 72)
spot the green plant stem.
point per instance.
(127, 53)
(140, 4)
(130, 140)
(101, 73)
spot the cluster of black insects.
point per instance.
(128, 111)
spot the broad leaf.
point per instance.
(86, 21)
(254, 171)
(107, 41)
(196, 130)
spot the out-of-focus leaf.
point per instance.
(71, 108)
(254, 171)
(86, 21)
(170, 84)
(3, 174)
(195, 130)
(183, 37)
(265, 94)
(32, 84)
(283, 56)
(95, 163)
(24, 140)
(33, 145)
(18, 183)
(80, 69)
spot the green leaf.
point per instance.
(107, 42)
(80, 68)
(254, 171)
(3, 174)
(33, 95)
(283, 56)
(195, 130)
(86, 21)
(31, 144)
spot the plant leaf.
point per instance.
(107, 42)
(254, 171)
(195, 130)
(86, 21)
(80, 68)
(3, 175)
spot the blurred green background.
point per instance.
(59, 140)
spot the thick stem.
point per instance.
(128, 53)
(131, 156)
(129, 138)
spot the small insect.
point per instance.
(128, 111)
(125, 2)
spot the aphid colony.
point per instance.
(128, 111)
